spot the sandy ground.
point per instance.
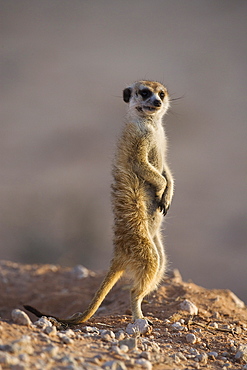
(219, 339)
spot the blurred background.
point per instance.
(64, 64)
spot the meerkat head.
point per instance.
(146, 99)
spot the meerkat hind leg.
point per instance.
(162, 258)
(144, 283)
(150, 274)
(137, 295)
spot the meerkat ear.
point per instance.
(127, 94)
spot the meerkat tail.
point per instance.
(33, 310)
(109, 281)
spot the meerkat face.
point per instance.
(146, 99)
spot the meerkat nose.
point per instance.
(157, 103)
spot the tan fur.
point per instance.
(142, 189)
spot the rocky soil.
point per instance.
(193, 328)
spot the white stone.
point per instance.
(203, 358)
(145, 364)
(91, 329)
(114, 365)
(20, 317)
(181, 356)
(175, 275)
(214, 325)
(236, 300)
(124, 348)
(80, 272)
(52, 350)
(69, 333)
(107, 335)
(50, 330)
(213, 354)
(194, 351)
(191, 338)
(22, 345)
(65, 339)
(43, 322)
(117, 350)
(241, 353)
(146, 355)
(188, 306)
(177, 326)
(131, 343)
(140, 326)
(120, 335)
(7, 359)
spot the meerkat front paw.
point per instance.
(165, 201)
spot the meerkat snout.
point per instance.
(157, 103)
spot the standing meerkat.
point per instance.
(142, 192)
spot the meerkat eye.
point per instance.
(145, 93)
(162, 95)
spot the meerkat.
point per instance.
(142, 192)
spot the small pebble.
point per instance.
(9, 360)
(91, 329)
(107, 335)
(191, 338)
(155, 347)
(203, 358)
(20, 317)
(197, 330)
(181, 356)
(114, 365)
(22, 345)
(139, 326)
(120, 335)
(52, 350)
(214, 325)
(233, 349)
(80, 272)
(194, 351)
(146, 355)
(50, 330)
(236, 300)
(116, 350)
(124, 348)
(145, 364)
(188, 306)
(69, 333)
(131, 343)
(43, 322)
(65, 339)
(98, 358)
(216, 315)
(241, 353)
(175, 274)
(213, 354)
(177, 326)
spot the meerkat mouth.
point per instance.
(151, 109)
(146, 108)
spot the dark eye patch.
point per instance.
(145, 93)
